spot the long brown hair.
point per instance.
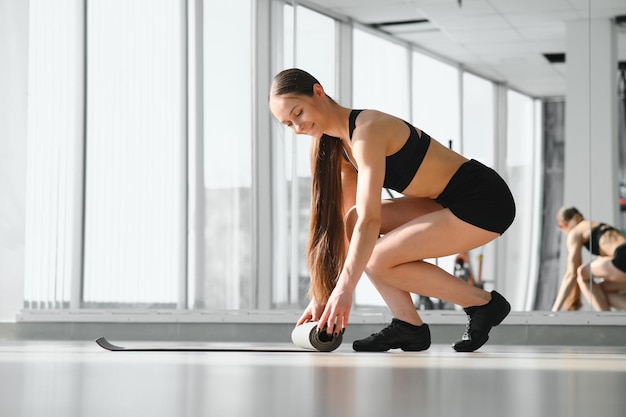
(326, 244)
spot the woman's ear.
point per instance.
(318, 91)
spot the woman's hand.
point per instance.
(334, 319)
(312, 313)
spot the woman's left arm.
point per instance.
(368, 148)
(574, 260)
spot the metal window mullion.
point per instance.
(280, 205)
(195, 152)
(77, 274)
(261, 154)
(344, 59)
(294, 206)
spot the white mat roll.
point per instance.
(306, 337)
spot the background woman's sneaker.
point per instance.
(399, 334)
(480, 320)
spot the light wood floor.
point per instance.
(79, 379)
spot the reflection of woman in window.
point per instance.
(450, 205)
(603, 240)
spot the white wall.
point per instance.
(13, 88)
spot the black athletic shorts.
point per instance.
(477, 195)
(619, 257)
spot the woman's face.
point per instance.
(299, 112)
(562, 225)
(566, 226)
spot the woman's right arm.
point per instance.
(574, 260)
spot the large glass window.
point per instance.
(309, 44)
(135, 171)
(227, 279)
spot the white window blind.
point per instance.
(54, 153)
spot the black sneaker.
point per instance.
(399, 334)
(480, 319)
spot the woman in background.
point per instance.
(603, 240)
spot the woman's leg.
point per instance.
(394, 213)
(398, 259)
(617, 300)
(614, 280)
(415, 229)
(614, 291)
(594, 294)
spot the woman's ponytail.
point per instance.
(326, 244)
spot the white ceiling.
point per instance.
(503, 40)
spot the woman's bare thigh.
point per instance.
(398, 211)
(425, 232)
(603, 267)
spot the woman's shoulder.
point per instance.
(582, 230)
(373, 115)
(376, 120)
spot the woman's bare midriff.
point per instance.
(609, 241)
(438, 167)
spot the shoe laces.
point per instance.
(386, 330)
(467, 327)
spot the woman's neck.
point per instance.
(337, 121)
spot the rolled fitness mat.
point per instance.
(306, 336)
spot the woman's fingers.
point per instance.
(344, 323)
(307, 316)
(333, 321)
(322, 324)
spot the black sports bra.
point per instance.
(400, 168)
(593, 244)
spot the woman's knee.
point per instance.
(377, 272)
(382, 260)
(378, 265)
(582, 274)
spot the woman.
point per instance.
(449, 205)
(603, 240)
